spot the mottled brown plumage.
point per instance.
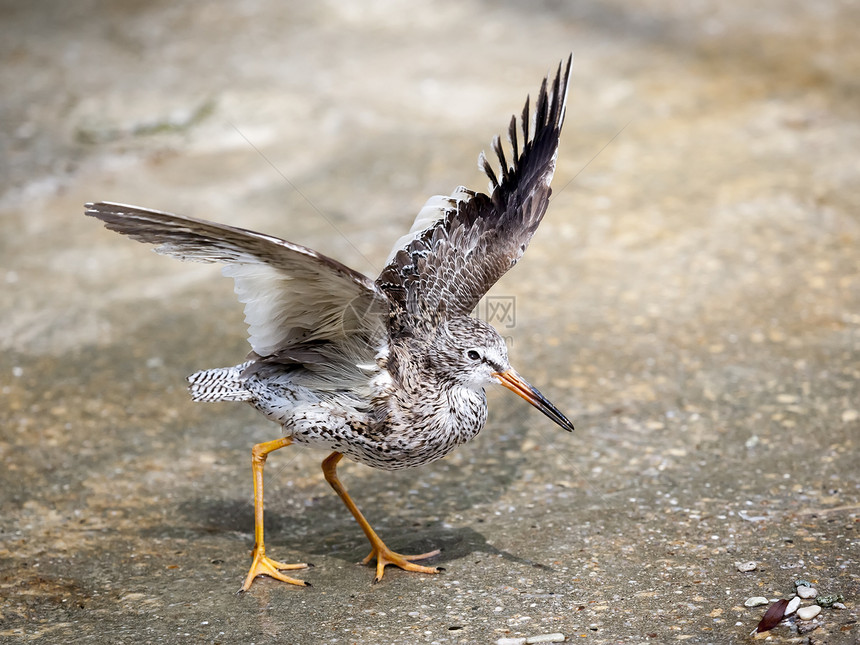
(391, 372)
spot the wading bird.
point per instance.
(388, 372)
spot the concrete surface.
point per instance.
(692, 301)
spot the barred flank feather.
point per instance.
(219, 384)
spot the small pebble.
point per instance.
(829, 601)
(546, 638)
(808, 613)
(807, 592)
(839, 605)
(743, 567)
(807, 626)
(793, 604)
(755, 601)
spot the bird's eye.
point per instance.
(473, 355)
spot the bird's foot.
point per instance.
(265, 566)
(383, 556)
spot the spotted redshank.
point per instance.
(388, 372)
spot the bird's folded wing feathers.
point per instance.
(449, 263)
(293, 295)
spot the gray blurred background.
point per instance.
(692, 302)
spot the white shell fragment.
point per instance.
(807, 592)
(545, 638)
(533, 640)
(755, 601)
(793, 604)
(808, 613)
(744, 567)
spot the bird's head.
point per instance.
(472, 354)
(468, 352)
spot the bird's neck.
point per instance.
(454, 412)
(468, 412)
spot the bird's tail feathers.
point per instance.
(220, 384)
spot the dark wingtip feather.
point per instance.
(526, 121)
(500, 152)
(541, 107)
(564, 87)
(549, 114)
(555, 106)
(488, 170)
(512, 139)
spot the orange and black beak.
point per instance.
(516, 383)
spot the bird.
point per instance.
(389, 372)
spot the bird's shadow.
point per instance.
(317, 532)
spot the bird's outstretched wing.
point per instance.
(300, 305)
(449, 265)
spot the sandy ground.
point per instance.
(692, 302)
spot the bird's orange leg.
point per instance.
(263, 565)
(382, 553)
